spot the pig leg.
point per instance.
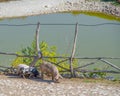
(52, 77)
(42, 75)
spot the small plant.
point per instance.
(95, 74)
(31, 51)
(49, 51)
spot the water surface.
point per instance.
(93, 41)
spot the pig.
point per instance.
(50, 69)
(24, 71)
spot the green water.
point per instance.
(93, 41)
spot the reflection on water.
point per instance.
(93, 41)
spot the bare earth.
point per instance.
(14, 86)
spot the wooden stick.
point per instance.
(105, 61)
(73, 50)
(62, 61)
(4, 53)
(91, 63)
(36, 58)
(4, 67)
(104, 71)
(37, 40)
(61, 57)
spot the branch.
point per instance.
(61, 57)
(105, 61)
(96, 71)
(91, 63)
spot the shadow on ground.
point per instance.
(37, 79)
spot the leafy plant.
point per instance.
(47, 51)
(31, 51)
(96, 74)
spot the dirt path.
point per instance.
(14, 86)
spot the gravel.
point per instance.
(21, 8)
(15, 86)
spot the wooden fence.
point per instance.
(70, 59)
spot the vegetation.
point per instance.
(31, 51)
(49, 51)
(110, 0)
(97, 74)
(97, 14)
(114, 2)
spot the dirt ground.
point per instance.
(16, 86)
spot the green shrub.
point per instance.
(31, 51)
(97, 74)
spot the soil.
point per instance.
(16, 86)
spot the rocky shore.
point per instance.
(92, 6)
(15, 86)
(36, 7)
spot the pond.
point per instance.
(92, 41)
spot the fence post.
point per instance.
(37, 40)
(73, 51)
(37, 46)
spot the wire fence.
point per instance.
(57, 24)
(71, 58)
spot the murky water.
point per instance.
(92, 41)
